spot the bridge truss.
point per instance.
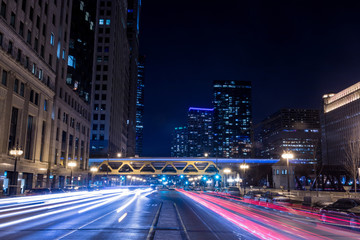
(136, 167)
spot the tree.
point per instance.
(352, 156)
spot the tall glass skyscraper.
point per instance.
(200, 134)
(232, 119)
(140, 106)
(179, 146)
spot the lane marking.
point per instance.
(182, 223)
(65, 235)
(151, 231)
(122, 217)
(116, 210)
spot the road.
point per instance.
(148, 214)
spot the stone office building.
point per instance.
(37, 108)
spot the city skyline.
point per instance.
(292, 52)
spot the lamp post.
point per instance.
(244, 167)
(287, 156)
(93, 171)
(226, 171)
(71, 164)
(16, 152)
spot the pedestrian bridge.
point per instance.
(165, 166)
(138, 167)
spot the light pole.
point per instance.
(287, 156)
(71, 164)
(244, 167)
(93, 171)
(226, 171)
(16, 152)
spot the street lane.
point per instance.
(147, 214)
(100, 221)
(272, 221)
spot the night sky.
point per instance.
(292, 51)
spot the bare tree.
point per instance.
(352, 156)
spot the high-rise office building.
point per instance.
(133, 18)
(179, 145)
(140, 106)
(39, 112)
(340, 123)
(71, 112)
(295, 130)
(200, 132)
(81, 47)
(111, 91)
(232, 119)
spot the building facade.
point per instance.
(340, 123)
(35, 113)
(111, 90)
(232, 119)
(140, 106)
(200, 132)
(179, 146)
(133, 18)
(295, 130)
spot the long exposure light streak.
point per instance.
(91, 203)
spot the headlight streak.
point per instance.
(105, 202)
(133, 199)
(47, 202)
(50, 207)
(43, 215)
(54, 212)
(98, 203)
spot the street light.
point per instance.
(287, 156)
(16, 152)
(226, 171)
(244, 167)
(206, 155)
(71, 164)
(93, 171)
(119, 155)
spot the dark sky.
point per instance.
(292, 51)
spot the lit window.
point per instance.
(52, 39)
(71, 61)
(107, 21)
(101, 21)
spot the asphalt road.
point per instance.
(147, 214)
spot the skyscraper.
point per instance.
(200, 132)
(140, 106)
(232, 119)
(81, 47)
(295, 130)
(71, 112)
(179, 145)
(133, 18)
(111, 90)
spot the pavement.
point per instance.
(160, 215)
